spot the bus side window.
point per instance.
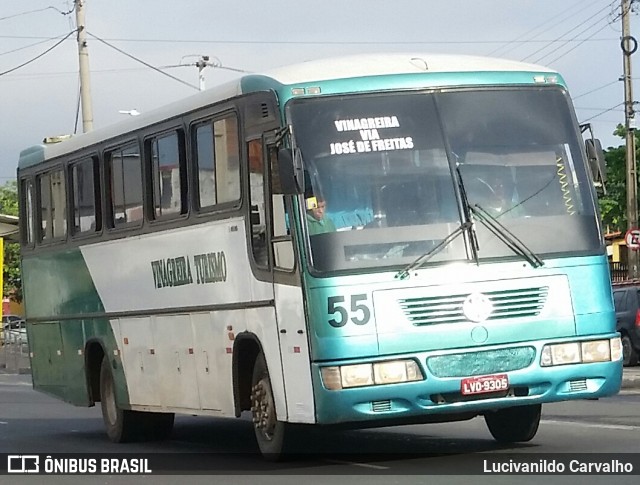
(125, 180)
(217, 158)
(53, 205)
(84, 181)
(256, 190)
(44, 196)
(28, 228)
(168, 175)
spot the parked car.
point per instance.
(6, 319)
(10, 319)
(627, 303)
(14, 332)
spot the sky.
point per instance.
(132, 43)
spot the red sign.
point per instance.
(484, 384)
(632, 238)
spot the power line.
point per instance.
(596, 109)
(39, 55)
(558, 19)
(603, 112)
(142, 62)
(317, 42)
(107, 71)
(575, 46)
(37, 10)
(576, 27)
(31, 45)
(595, 89)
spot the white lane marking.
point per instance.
(624, 427)
(4, 422)
(355, 463)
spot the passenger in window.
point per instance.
(317, 220)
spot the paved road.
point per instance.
(631, 378)
(31, 422)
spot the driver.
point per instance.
(317, 220)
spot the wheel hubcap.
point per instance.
(262, 408)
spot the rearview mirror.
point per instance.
(287, 172)
(595, 156)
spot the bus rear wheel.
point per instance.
(271, 434)
(123, 425)
(517, 424)
(118, 422)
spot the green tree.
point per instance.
(11, 276)
(613, 204)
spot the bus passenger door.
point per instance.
(292, 332)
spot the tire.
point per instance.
(629, 353)
(512, 425)
(118, 422)
(123, 425)
(272, 435)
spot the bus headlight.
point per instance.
(565, 353)
(370, 374)
(396, 371)
(596, 351)
(581, 352)
(356, 375)
(616, 349)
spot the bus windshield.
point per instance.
(381, 175)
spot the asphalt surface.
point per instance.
(631, 378)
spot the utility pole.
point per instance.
(629, 45)
(83, 58)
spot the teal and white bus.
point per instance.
(169, 266)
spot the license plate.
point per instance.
(484, 384)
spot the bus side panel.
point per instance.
(54, 285)
(73, 338)
(183, 362)
(47, 358)
(294, 349)
(140, 367)
(213, 364)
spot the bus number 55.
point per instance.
(359, 310)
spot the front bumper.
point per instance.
(437, 395)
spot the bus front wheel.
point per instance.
(515, 424)
(270, 433)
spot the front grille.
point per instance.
(380, 406)
(512, 303)
(481, 363)
(579, 385)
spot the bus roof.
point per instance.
(348, 67)
(391, 64)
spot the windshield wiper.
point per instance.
(506, 236)
(466, 226)
(404, 273)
